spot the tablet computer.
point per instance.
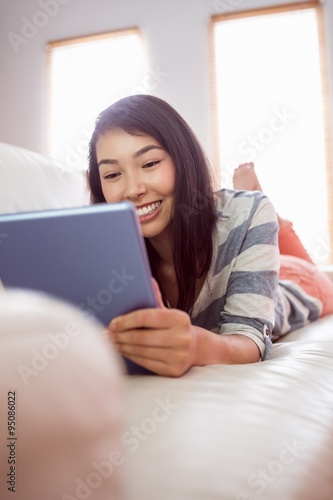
(93, 257)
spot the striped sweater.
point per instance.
(242, 293)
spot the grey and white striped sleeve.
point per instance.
(249, 303)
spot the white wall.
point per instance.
(176, 32)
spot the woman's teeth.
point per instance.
(148, 209)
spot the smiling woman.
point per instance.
(135, 168)
(181, 166)
(214, 256)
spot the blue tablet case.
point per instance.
(93, 257)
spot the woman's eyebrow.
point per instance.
(146, 149)
(138, 153)
(107, 162)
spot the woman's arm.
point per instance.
(165, 342)
(245, 277)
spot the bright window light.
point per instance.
(270, 111)
(86, 76)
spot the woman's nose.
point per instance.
(135, 188)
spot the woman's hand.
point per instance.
(161, 340)
(164, 341)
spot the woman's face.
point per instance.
(136, 168)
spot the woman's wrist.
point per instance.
(213, 348)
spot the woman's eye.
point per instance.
(114, 175)
(151, 164)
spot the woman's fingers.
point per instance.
(150, 318)
(143, 338)
(158, 294)
(168, 360)
(161, 340)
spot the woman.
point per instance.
(214, 257)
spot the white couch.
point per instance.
(85, 430)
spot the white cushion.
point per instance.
(239, 432)
(30, 181)
(317, 331)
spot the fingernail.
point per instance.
(113, 325)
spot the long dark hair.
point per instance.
(194, 212)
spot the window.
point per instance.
(86, 75)
(271, 109)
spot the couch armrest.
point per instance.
(64, 380)
(30, 181)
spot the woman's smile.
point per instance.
(148, 212)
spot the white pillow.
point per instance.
(30, 181)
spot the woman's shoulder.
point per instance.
(239, 210)
(228, 201)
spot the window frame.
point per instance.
(51, 45)
(323, 57)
